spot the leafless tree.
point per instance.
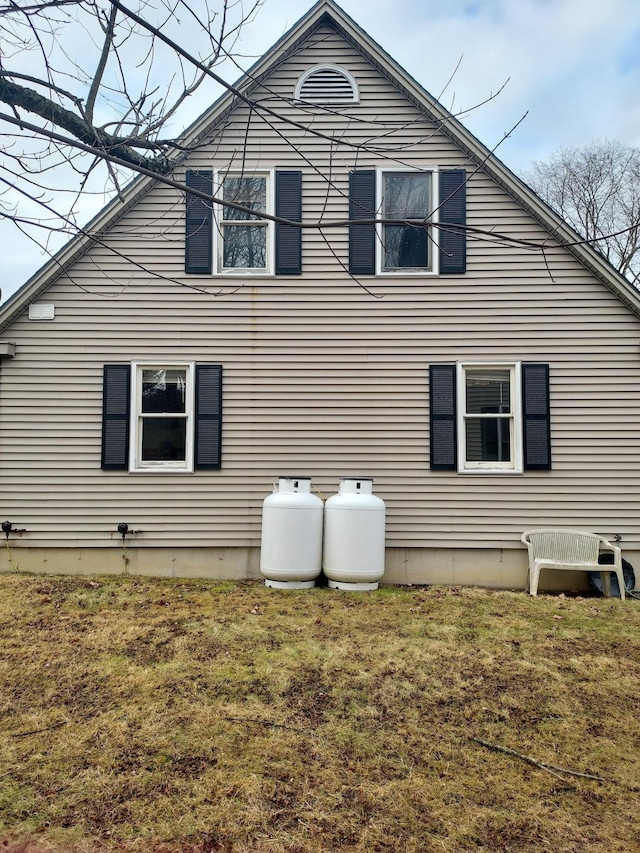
(98, 76)
(88, 87)
(596, 189)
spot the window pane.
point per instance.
(164, 439)
(405, 246)
(488, 391)
(406, 196)
(488, 439)
(164, 390)
(249, 192)
(244, 247)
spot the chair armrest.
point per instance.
(617, 551)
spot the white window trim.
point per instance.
(135, 433)
(218, 242)
(326, 67)
(434, 244)
(516, 466)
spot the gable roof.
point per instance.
(328, 12)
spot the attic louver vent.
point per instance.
(327, 84)
(41, 311)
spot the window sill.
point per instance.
(501, 471)
(242, 274)
(406, 273)
(161, 470)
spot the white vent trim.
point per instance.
(327, 84)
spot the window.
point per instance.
(406, 248)
(490, 417)
(161, 417)
(163, 424)
(402, 249)
(489, 423)
(244, 239)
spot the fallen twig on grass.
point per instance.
(37, 731)
(269, 723)
(555, 771)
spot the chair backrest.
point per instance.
(564, 546)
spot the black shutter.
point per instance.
(208, 426)
(535, 417)
(199, 222)
(362, 238)
(288, 237)
(116, 402)
(452, 211)
(442, 392)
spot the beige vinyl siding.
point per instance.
(323, 375)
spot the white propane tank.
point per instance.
(291, 547)
(353, 556)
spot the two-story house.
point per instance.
(430, 324)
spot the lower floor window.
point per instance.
(489, 424)
(163, 425)
(489, 417)
(161, 417)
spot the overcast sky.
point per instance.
(573, 66)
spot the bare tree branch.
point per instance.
(102, 64)
(31, 101)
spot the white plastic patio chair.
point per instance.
(571, 550)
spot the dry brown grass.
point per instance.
(158, 715)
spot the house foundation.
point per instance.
(500, 568)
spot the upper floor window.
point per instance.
(424, 196)
(224, 240)
(244, 239)
(327, 84)
(406, 195)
